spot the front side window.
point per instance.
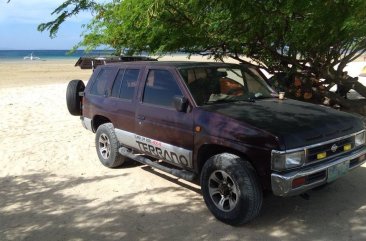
(209, 85)
(125, 84)
(160, 88)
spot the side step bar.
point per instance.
(186, 175)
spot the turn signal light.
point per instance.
(298, 182)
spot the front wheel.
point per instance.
(231, 189)
(107, 145)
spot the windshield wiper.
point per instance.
(263, 97)
(250, 99)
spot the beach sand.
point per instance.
(52, 186)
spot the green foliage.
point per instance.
(311, 36)
(67, 9)
(264, 30)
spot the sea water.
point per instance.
(50, 54)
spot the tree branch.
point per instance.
(64, 13)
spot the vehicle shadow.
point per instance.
(191, 185)
(43, 206)
(333, 211)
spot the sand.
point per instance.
(52, 186)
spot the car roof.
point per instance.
(176, 64)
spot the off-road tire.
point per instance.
(73, 99)
(107, 145)
(244, 201)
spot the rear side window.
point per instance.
(118, 83)
(160, 88)
(99, 85)
(125, 84)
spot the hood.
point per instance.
(295, 123)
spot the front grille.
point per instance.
(312, 153)
(357, 161)
(318, 176)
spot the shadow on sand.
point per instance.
(43, 206)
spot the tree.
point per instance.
(312, 40)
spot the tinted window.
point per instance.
(99, 84)
(125, 83)
(160, 88)
(118, 83)
(129, 83)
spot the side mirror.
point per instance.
(180, 103)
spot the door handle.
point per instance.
(140, 117)
(106, 93)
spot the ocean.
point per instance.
(49, 54)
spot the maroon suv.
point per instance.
(220, 122)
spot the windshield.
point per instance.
(210, 85)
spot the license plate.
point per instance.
(337, 171)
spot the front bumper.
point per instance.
(316, 175)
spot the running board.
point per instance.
(186, 175)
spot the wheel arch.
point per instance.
(99, 120)
(208, 150)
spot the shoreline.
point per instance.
(12, 60)
(168, 57)
(19, 72)
(29, 73)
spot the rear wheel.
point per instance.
(73, 99)
(231, 189)
(107, 145)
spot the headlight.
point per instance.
(283, 161)
(360, 139)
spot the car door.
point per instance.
(97, 92)
(162, 131)
(121, 103)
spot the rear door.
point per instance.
(162, 131)
(97, 92)
(121, 101)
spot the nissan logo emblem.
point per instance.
(334, 148)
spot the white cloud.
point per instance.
(33, 11)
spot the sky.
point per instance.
(19, 20)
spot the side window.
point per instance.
(160, 88)
(99, 84)
(125, 84)
(129, 83)
(117, 83)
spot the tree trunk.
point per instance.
(359, 107)
(359, 88)
(353, 106)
